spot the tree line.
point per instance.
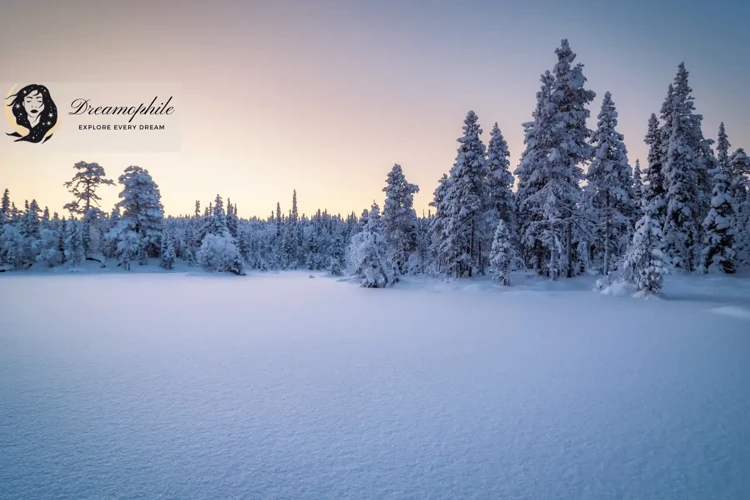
(688, 209)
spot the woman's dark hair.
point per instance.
(46, 122)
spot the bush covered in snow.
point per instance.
(220, 254)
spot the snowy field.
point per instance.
(278, 386)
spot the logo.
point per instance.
(32, 113)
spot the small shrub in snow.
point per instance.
(220, 254)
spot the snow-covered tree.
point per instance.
(128, 247)
(367, 253)
(722, 152)
(739, 165)
(399, 220)
(464, 202)
(48, 248)
(219, 254)
(88, 178)
(168, 255)
(73, 243)
(550, 172)
(718, 248)
(335, 267)
(611, 185)
(645, 262)
(499, 185)
(654, 190)
(141, 207)
(216, 223)
(12, 247)
(437, 224)
(637, 187)
(683, 172)
(5, 207)
(532, 225)
(502, 254)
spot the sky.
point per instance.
(324, 96)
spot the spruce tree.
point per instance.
(654, 190)
(637, 187)
(168, 256)
(718, 247)
(683, 166)
(367, 253)
(500, 203)
(142, 212)
(611, 184)
(464, 202)
(645, 262)
(502, 254)
(73, 243)
(399, 220)
(437, 224)
(5, 207)
(532, 224)
(739, 165)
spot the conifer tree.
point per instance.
(437, 224)
(88, 178)
(464, 202)
(682, 173)
(142, 212)
(502, 254)
(654, 190)
(637, 187)
(718, 248)
(499, 195)
(168, 256)
(5, 207)
(645, 262)
(399, 220)
(367, 253)
(611, 183)
(739, 165)
(73, 243)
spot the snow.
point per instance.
(196, 385)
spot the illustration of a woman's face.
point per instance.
(34, 105)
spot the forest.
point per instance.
(574, 204)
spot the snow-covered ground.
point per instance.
(192, 386)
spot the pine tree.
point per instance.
(464, 202)
(128, 247)
(739, 165)
(168, 256)
(217, 222)
(5, 207)
(141, 207)
(367, 253)
(83, 186)
(654, 190)
(722, 153)
(437, 224)
(502, 255)
(399, 220)
(499, 195)
(197, 208)
(611, 183)
(533, 234)
(718, 246)
(73, 243)
(48, 251)
(638, 188)
(645, 262)
(550, 171)
(12, 247)
(682, 173)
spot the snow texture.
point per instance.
(203, 388)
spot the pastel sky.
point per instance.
(324, 96)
